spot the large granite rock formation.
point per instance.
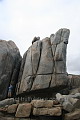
(9, 66)
(44, 63)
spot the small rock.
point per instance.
(67, 106)
(8, 101)
(73, 115)
(7, 118)
(3, 109)
(59, 97)
(23, 110)
(43, 103)
(12, 108)
(55, 111)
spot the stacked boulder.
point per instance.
(36, 109)
(44, 64)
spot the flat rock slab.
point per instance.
(8, 101)
(55, 111)
(41, 81)
(12, 108)
(23, 110)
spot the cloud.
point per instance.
(21, 20)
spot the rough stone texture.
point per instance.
(42, 103)
(41, 81)
(3, 109)
(12, 108)
(74, 91)
(75, 115)
(23, 110)
(21, 72)
(46, 60)
(55, 111)
(45, 63)
(8, 101)
(69, 102)
(74, 81)
(9, 66)
(7, 118)
(59, 79)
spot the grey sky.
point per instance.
(21, 20)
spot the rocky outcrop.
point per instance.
(10, 60)
(45, 64)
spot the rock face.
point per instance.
(9, 66)
(44, 65)
(74, 81)
(23, 110)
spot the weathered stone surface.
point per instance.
(41, 81)
(75, 115)
(36, 54)
(74, 91)
(74, 81)
(9, 66)
(12, 108)
(8, 101)
(55, 111)
(60, 67)
(45, 64)
(21, 72)
(33, 57)
(59, 80)
(26, 84)
(3, 109)
(69, 102)
(59, 43)
(23, 110)
(7, 118)
(67, 106)
(42, 103)
(28, 64)
(46, 61)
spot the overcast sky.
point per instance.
(21, 20)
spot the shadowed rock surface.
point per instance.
(10, 60)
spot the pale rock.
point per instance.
(46, 61)
(59, 80)
(8, 101)
(23, 110)
(12, 108)
(36, 54)
(55, 111)
(41, 81)
(26, 84)
(74, 91)
(45, 64)
(28, 64)
(42, 103)
(7, 118)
